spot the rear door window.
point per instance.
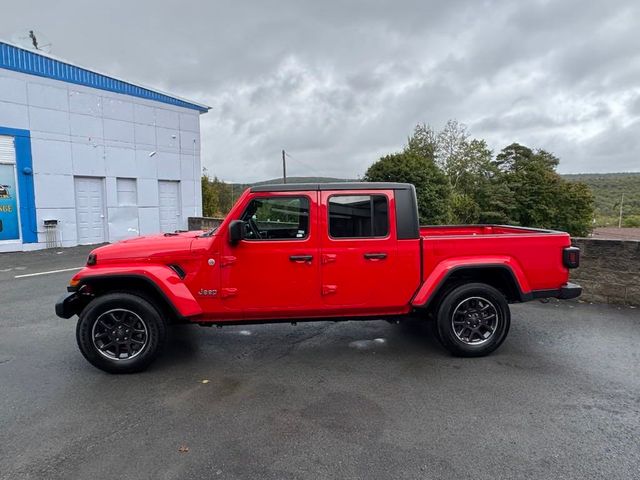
(358, 216)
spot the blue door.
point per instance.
(9, 226)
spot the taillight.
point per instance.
(571, 257)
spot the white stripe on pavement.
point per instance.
(47, 273)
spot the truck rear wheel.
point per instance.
(120, 333)
(473, 320)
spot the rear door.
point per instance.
(358, 251)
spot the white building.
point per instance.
(89, 158)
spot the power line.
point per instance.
(304, 163)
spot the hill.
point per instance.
(607, 190)
(304, 180)
(272, 181)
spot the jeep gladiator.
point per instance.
(302, 252)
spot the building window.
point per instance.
(358, 216)
(127, 192)
(277, 218)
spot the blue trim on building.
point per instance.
(24, 172)
(25, 61)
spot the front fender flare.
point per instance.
(162, 278)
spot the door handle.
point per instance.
(375, 256)
(329, 289)
(328, 257)
(301, 258)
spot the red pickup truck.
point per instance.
(301, 252)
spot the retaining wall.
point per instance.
(609, 270)
(204, 223)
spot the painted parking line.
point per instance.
(47, 273)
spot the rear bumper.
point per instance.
(67, 305)
(567, 291)
(570, 290)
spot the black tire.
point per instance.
(113, 333)
(466, 326)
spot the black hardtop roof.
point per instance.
(300, 187)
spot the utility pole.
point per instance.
(620, 219)
(284, 168)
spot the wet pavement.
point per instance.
(560, 399)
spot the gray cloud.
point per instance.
(340, 83)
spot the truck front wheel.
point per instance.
(120, 333)
(473, 320)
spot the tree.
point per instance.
(415, 166)
(457, 179)
(464, 209)
(539, 196)
(468, 165)
(452, 142)
(472, 168)
(210, 205)
(496, 203)
(575, 209)
(423, 142)
(216, 196)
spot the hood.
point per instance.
(147, 248)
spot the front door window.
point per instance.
(277, 218)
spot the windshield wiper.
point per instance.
(208, 233)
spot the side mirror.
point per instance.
(236, 231)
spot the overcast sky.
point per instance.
(338, 84)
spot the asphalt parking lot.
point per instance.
(560, 399)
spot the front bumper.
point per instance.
(68, 305)
(569, 290)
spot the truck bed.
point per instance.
(537, 252)
(428, 231)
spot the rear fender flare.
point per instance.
(446, 268)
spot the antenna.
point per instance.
(33, 40)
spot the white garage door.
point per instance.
(89, 210)
(169, 201)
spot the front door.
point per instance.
(274, 271)
(358, 252)
(90, 210)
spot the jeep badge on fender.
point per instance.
(205, 293)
